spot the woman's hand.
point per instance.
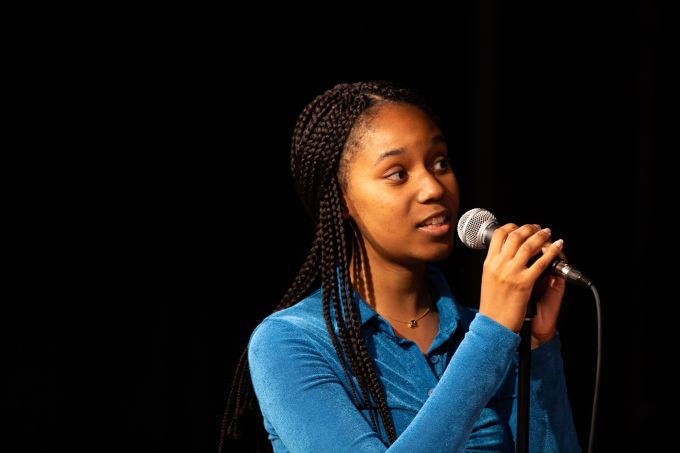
(549, 291)
(507, 281)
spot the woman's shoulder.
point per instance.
(302, 321)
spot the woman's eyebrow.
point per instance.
(386, 154)
(439, 138)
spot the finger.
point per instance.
(531, 246)
(556, 283)
(541, 264)
(516, 238)
(499, 237)
(561, 255)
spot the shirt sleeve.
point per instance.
(308, 406)
(551, 422)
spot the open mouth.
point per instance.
(435, 222)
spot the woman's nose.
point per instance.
(430, 188)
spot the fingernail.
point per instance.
(537, 226)
(543, 249)
(546, 231)
(559, 243)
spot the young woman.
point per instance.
(368, 350)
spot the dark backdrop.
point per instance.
(558, 114)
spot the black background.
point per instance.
(181, 228)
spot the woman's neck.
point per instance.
(391, 289)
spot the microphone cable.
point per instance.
(598, 363)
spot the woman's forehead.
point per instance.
(398, 127)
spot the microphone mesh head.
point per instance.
(470, 226)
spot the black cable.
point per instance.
(598, 363)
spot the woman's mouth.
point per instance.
(436, 226)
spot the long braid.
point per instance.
(319, 140)
(329, 295)
(347, 336)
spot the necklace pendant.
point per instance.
(413, 323)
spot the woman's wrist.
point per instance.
(539, 340)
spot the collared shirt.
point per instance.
(459, 396)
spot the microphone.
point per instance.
(476, 227)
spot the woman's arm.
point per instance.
(310, 409)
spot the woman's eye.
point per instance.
(397, 175)
(442, 163)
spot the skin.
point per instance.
(387, 198)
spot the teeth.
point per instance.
(435, 221)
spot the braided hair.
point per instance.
(323, 143)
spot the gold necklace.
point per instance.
(412, 323)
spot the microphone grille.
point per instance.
(470, 226)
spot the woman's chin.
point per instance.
(438, 253)
(441, 256)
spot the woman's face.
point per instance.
(398, 182)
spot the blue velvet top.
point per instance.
(460, 396)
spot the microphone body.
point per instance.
(476, 227)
